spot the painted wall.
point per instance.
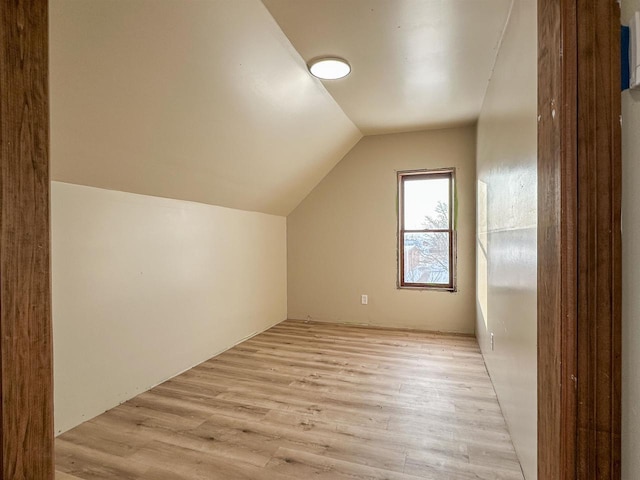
(146, 287)
(342, 239)
(630, 273)
(197, 100)
(507, 218)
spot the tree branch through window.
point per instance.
(426, 235)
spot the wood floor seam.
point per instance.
(308, 400)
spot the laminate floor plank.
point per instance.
(409, 346)
(65, 476)
(323, 364)
(405, 372)
(305, 399)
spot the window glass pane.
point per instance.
(426, 203)
(426, 257)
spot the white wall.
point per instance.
(507, 219)
(146, 287)
(342, 239)
(630, 273)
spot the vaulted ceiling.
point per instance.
(211, 100)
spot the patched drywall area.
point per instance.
(343, 238)
(507, 230)
(146, 287)
(630, 273)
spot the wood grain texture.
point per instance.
(579, 299)
(599, 240)
(26, 420)
(557, 239)
(308, 400)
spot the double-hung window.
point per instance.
(426, 229)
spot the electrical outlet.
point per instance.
(364, 299)
(493, 343)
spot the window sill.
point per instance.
(427, 288)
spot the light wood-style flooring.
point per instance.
(308, 401)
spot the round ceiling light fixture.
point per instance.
(329, 68)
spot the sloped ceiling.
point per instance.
(210, 101)
(416, 64)
(196, 100)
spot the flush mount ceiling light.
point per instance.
(329, 68)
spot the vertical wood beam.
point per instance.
(599, 240)
(26, 407)
(579, 186)
(557, 239)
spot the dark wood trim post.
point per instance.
(579, 247)
(26, 376)
(599, 240)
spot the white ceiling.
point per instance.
(208, 100)
(196, 100)
(416, 64)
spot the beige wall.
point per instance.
(342, 239)
(507, 218)
(146, 287)
(630, 273)
(197, 100)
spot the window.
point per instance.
(426, 236)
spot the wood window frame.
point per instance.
(450, 174)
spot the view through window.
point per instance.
(426, 229)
